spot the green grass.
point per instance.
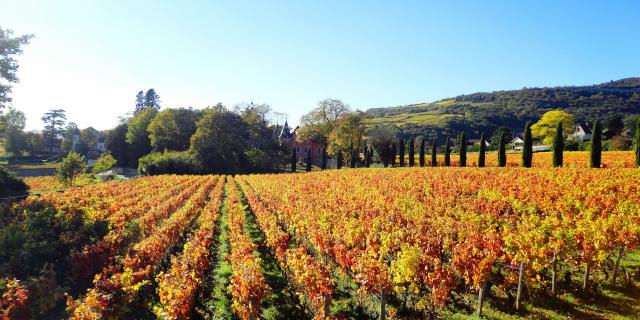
(423, 118)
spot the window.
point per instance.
(297, 149)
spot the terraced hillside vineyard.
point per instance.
(406, 243)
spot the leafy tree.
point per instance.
(34, 143)
(595, 157)
(294, 160)
(422, 151)
(14, 123)
(317, 125)
(104, 163)
(482, 152)
(462, 142)
(10, 46)
(558, 146)
(116, 144)
(70, 168)
(220, 142)
(139, 102)
(152, 99)
(434, 156)
(172, 129)
(502, 153)
(168, 162)
(88, 141)
(412, 152)
(263, 150)
(53, 120)
(67, 139)
(381, 139)
(137, 136)
(527, 148)
(545, 127)
(447, 153)
(495, 138)
(348, 133)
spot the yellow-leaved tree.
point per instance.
(545, 128)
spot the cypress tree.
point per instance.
(323, 165)
(502, 153)
(354, 153)
(394, 150)
(447, 153)
(339, 159)
(294, 160)
(481, 153)
(434, 156)
(638, 143)
(308, 167)
(558, 146)
(401, 152)
(596, 145)
(422, 152)
(527, 148)
(462, 141)
(412, 152)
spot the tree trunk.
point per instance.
(617, 265)
(326, 299)
(520, 283)
(554, 275)
(481, 293)
(585, 283)
(383, 311)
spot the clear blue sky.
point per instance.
(91, 57)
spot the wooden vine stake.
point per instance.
(554, 275)
(585, 283)
(520, 283)
(481, 294)
(383, 311)
(617, 265)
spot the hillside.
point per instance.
(485, 111)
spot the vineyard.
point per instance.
(403, 243)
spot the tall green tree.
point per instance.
(116, 144)
(412, 152)
(394, 148)
(139, 101)
(152, 99)
(294, 160)
(527, 148)
(595, 158)
(137, 135)
(339, 159)
(53, 120)
(14, 140)
(421, 156)
(88, 142)
(447, 153)
(434, 156)
(482, 152)
(401, 151)
(381, 139)
(10, 47)
(558, 146)
(323, 166)
(462, 147)
(172, 129)
(70, 131)
(502, 152)
(220, 142)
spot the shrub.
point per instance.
(104, 163)
(11, 185)
(70, 168)
(168, 162)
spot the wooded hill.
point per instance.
(485, 111)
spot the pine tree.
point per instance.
(294, 160)
(596, 145)
(447, 153)
(139, 101)
(354, 157)
(394, 150)
(462, 142)
(421, 152)
(152, 99)
(558, 146)
(412, 152)
(638, 143)
(371, 154)
(308, 167)
(502, 152)
(434, 155)
(482, 151)
(401, 152)
(527, 148)
(323, 165)
(339, 159)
